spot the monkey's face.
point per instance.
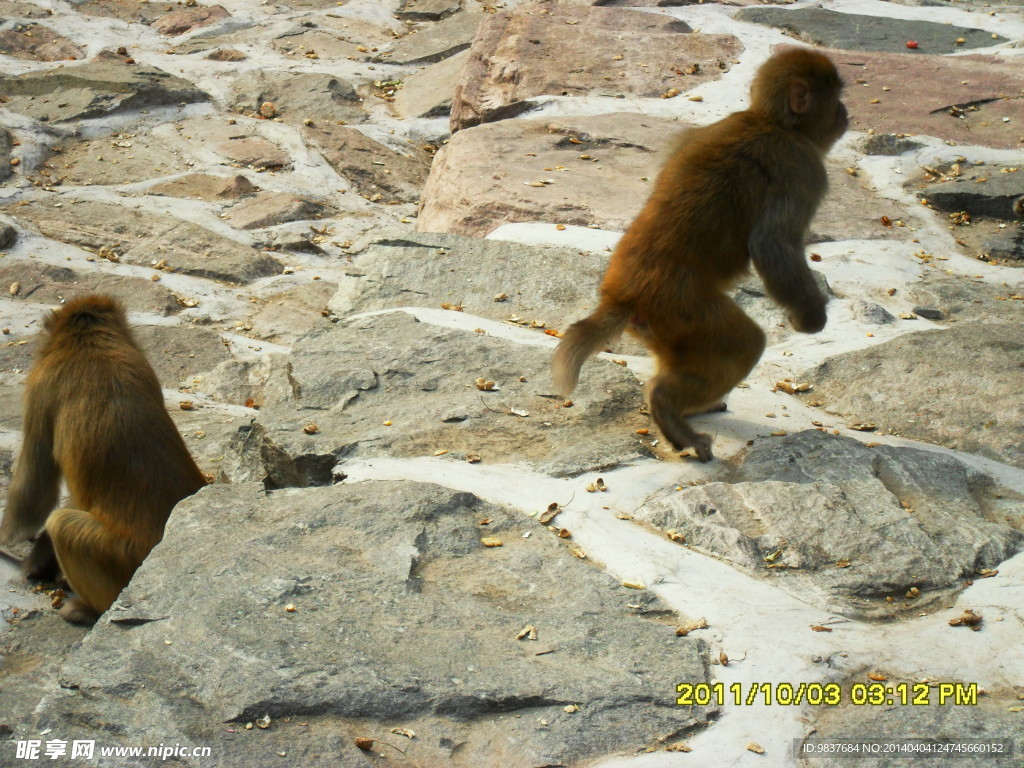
(838, 124)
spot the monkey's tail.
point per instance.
(584, 339)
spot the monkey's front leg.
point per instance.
(41, 562)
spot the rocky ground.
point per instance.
(333, 223)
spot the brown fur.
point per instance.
(94, 413)
(743, 189)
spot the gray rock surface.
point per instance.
(436, 42)
(789, 512)
(392, 386)
(293, 572)
(861, 32)
(100, 87)
(543, 287)
(144, 238)
(246, 182)
(298, 97)
(920, 386)
(987, 192)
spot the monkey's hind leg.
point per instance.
(95, 561)
(700, 369)
(672, 395)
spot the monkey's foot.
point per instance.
(41, 563)
(719, 408)
(77, 612)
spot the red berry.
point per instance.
(911, 43)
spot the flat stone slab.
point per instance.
(270, 615)
(579, 50)
(102, 86)
(391, 386)
(916, 94)
(237, 141)
(144, 238)
(139, 11)
(431, 269)
(178, 22)
(43, 283)
(298, 96)
(116, 159)
(988, 190)
(847, 524)
(206, 186)
(429, 92)
(596, 170)
(266, 209)
(378, 173)
(861, 32)
(434, 42)
(925, 386)
(38, 42)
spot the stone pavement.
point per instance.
(348, 233)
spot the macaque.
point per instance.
(94, 414)
(741, 190)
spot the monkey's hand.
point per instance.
(810, 318)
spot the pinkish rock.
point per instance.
(269, 208)
(962, 99)
(237, 141)
(226, 54)
(577, 50)
(204, 186)
(377, 172)
(579, 170)
(185, 20)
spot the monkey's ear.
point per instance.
(800, 97)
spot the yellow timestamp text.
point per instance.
(826, 694)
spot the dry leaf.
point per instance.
(878, 677)
(634, 584)
(404, 732)
(311, 428)
(490, 541)
(755, 747)
(819, 628)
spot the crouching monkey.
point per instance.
(95, 414)
(738, 191)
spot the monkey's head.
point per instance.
(799, 88)
(84, 315)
